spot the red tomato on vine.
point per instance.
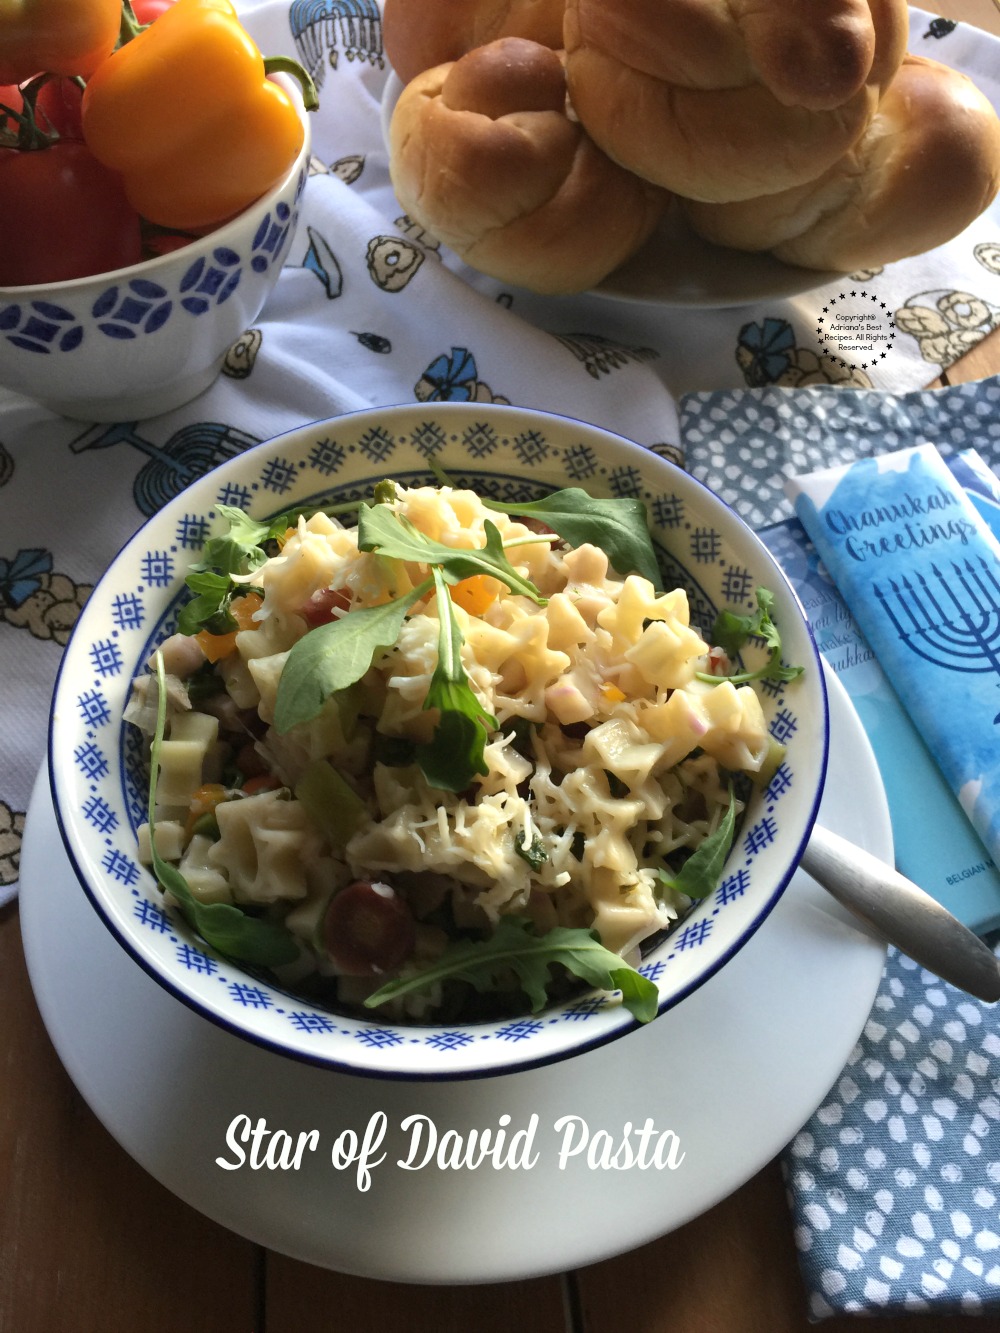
(148, 10)
(64, 216)
(57, 107)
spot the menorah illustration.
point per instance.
(951, 618)
(323, 27)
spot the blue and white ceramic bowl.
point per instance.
(143, 340)
(98, 768)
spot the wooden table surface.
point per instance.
(89, 1243)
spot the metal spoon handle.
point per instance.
(902, 913)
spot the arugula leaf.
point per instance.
(332, 657)
(382, 529)
(533, 852)
(731, 631)
(513, 947)
(393, 751)
(240, 550)
(331, 802)
(701, 872)
(211, 600)
(618, 527)
(455, 753)
(245, 939)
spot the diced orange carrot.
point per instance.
(612, 693)
(261, 782)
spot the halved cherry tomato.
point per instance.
(64, 216)
(320, 608)
(368, 929)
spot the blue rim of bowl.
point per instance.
(626, 1023)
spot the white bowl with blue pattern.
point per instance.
(98, 769)
(133, 343)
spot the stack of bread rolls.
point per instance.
(419, 34)
(542, 140)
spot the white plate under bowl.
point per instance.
(733, 1071)
(676, 267)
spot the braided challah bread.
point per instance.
(927, 165)
(484, 156)
(419, 34)
(728, 99)
(797, 127)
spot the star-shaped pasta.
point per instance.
(539, 664)
(724, 720)
(638, 604)
(622, 919)
(568, 629)
(264, 844)
(667, 652)
(619, 745)
(316, 555)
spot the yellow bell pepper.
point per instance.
(242, 610)
(475, 593)
(185, 112)
(55, 36)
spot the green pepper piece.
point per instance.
(331, 802)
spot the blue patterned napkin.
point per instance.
(894, 1183)
(747, 443)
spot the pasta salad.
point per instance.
(434, 754)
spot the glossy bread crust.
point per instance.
(926, 167)
(419, 34)
(485, 157)
(720, 100)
